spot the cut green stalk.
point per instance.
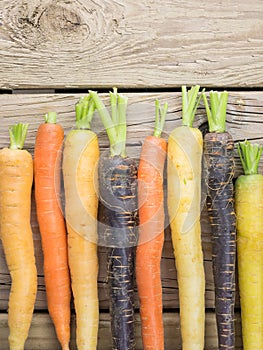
(216, 115)
(115, 124)
(250, 156)
(160, 115)
(105, 117)
(84, 112)
(114, 103)
(190, 103)
(121, 125)
(51, 118)
(17, 134)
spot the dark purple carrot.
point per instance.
(219, 156)
(118, 220)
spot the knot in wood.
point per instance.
(39, 24)
(57, 18)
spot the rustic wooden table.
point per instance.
(52, 52)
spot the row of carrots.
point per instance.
(134, 242)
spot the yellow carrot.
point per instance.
(184, 191)
(16, 176)
(249, 211)
(81, 154)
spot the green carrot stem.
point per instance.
(115, 124)
(121, 125)
(160, 115)
(51, 118)
(216, 115)
(17, 134)
(250, 156)
(113, 101)
(190, 102)
(84, 112)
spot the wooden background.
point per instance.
(53, 51)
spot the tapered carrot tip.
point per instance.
(65, 347)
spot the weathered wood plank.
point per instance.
(61, 44)
(244, 119)
(47, 340)
(244, 116)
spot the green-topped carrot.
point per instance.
(118, 189)
(249, 211)
(219, 156)
(151, 233)
(80, 158)
(47, 169)
(185, 149)
(16, 176)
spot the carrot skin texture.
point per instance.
(117, 228)
(184, 200)
(249, 211)
(16, 176)
(80, 157)
(47, 162)
(219, 155)
(151, 239)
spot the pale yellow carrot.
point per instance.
(185, 145)
(16, 176)
(81, 155)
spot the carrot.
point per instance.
(16, 176)
(117, 230)
(185, 148)
(80, 157)
(249, 211)
(151, 234)
(219, 156)
(47, 162)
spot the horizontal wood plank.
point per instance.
(244, 120)
(76, 44)
(42, 334)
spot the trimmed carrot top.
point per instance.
(84, 112)
(50, 118)
(160, 115)
(250, 156)
(115, 124)
(17, 134)
(190, 102)
(217, 114)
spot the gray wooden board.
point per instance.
(75, 44)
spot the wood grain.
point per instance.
(129, 44)
(244, 119)
(47, 340)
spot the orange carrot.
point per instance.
(16, 176)
(47, 162)
(151, 235)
